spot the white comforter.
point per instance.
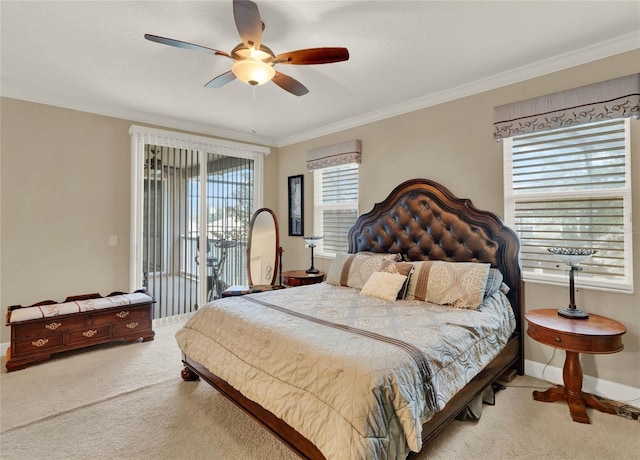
(315, 356)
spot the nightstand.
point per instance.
(295, 278)
(594, 335)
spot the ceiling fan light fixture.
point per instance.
(253, 72)
(254, 62)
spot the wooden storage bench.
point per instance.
(49, 327)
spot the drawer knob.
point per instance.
(558, 339)
(40, 342)
(123, 314)
(132, 325)
(90, 333)
(53, 326)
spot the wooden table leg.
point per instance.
(572, 390)
(550, 395)
(572, 376)
(601, 406)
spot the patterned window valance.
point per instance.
(334, 155)
(618, 98)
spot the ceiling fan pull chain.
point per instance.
(253, 111)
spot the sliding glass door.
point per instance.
(191, 206)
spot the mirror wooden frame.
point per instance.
(277, 250)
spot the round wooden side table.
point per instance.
(293, 278)
(596, 334)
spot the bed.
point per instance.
(340, 370)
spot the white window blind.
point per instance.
(570, 187)
(335, 206)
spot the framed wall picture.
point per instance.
(296, 205)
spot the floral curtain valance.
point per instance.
(617, 98)
(334, 155)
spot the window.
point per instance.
(571, 187)
(335, 206)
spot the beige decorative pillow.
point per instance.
(334, 274)
(457, 284)
(353, 270)
(363, 265)
(383, 285)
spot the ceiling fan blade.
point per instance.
(221, 80)
(290, 84)
(313, 56)
(185, 45)
(248, 23)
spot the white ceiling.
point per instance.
(404, 55)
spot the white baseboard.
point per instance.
(605, 388)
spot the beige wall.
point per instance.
(65, 189)
(452, 143)
(65, 186)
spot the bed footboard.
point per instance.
(278, 427)
(506, 359)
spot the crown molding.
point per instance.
(564, 61)
(136, 117)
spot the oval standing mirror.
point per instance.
(263, 248)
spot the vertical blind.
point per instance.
(172, 222)
(568, 189)
(168, 214)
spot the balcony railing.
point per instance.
(233, 270)
(176, 291)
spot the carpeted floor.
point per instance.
(129, 402)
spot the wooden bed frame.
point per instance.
(421, 220)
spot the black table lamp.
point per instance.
(312, 242)
(572, 257)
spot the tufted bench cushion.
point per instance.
(66, 308)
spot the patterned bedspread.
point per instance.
(357, 376)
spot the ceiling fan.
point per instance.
(254, 62)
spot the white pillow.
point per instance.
(383, 285)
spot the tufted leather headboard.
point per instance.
(423, 220)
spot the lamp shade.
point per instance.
(253, 72)
(571, 256)
(312, 241)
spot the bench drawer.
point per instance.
(132, 325)
(123, 316)
(50, 326)
(39, 345)
(88, 334)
